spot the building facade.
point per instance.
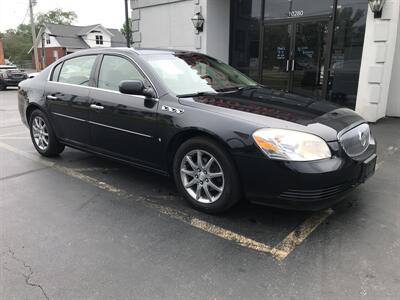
(59, 40)
(330, 49)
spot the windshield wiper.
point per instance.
(237, 88)
(197, 94)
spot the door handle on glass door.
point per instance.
(293, 65)
(50, 97)
(96, 106)
(287, 66)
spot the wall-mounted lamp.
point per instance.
(376, 7)
(198, 22)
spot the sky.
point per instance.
(110, 13)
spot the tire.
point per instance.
(223, 191)
(42, 135)
(3, 86)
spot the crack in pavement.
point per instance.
(29, 275)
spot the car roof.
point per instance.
(8, 67)
(138, 51)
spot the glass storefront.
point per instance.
(301, 46)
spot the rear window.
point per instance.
(76, 70)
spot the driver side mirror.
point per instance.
(135, 87)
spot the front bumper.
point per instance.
(303, 185)
(13, 81)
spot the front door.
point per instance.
(294, 55)
(122, 125)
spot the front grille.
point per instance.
(356, 141)
(326, 193)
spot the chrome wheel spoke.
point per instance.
(209, 163)
(208, 194)
(199, 157)
(213, 186)
(191, 163)
(198, 191)
(191, 183)
(188, 172)
(215, 175)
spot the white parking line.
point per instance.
(297, 236)
(15, 133)
(279, 252)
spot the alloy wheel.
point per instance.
(202, 176)
(40, 133)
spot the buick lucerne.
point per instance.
(218, 133)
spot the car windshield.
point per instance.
(192, 73)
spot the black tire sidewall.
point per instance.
(54, 148)
(231, 193)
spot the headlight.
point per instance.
(291, 145)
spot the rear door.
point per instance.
(122, 125)
(67, 96)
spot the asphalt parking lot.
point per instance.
(82, 227)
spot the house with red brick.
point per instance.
(59, 40)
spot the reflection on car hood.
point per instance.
(270, 107)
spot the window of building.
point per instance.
(280, 9)
(245, 36)
(55, 55)
(347, 51)
(99, 40)
(77, 70)
(48, 39)
(114, 69)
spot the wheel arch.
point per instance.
(190, 133)
(31, 107)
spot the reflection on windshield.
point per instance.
(189, 73)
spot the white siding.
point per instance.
(53, 41)
(90, 38)
(167, 26)
(379, 76)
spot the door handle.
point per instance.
(50, 97)
(96, 106)
(287, 66)
(293, 65)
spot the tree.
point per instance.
(124, 29)
(17, 42)
(56, 16)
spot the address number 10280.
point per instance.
(296, 13)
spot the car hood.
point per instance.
(270, 108)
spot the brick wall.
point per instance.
(1, 52)
(51, 55)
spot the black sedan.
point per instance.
(219, 134)
(11, 76)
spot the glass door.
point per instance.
(294, 55)
(276, 56)
(309, 55)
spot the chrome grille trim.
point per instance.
(356, 141)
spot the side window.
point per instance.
(77, 70)
(56, 72)
(114, 69)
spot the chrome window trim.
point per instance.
(114, 54)
(100, 89)
(68, 117)
(103, 125)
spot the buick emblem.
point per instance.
(362, 137)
